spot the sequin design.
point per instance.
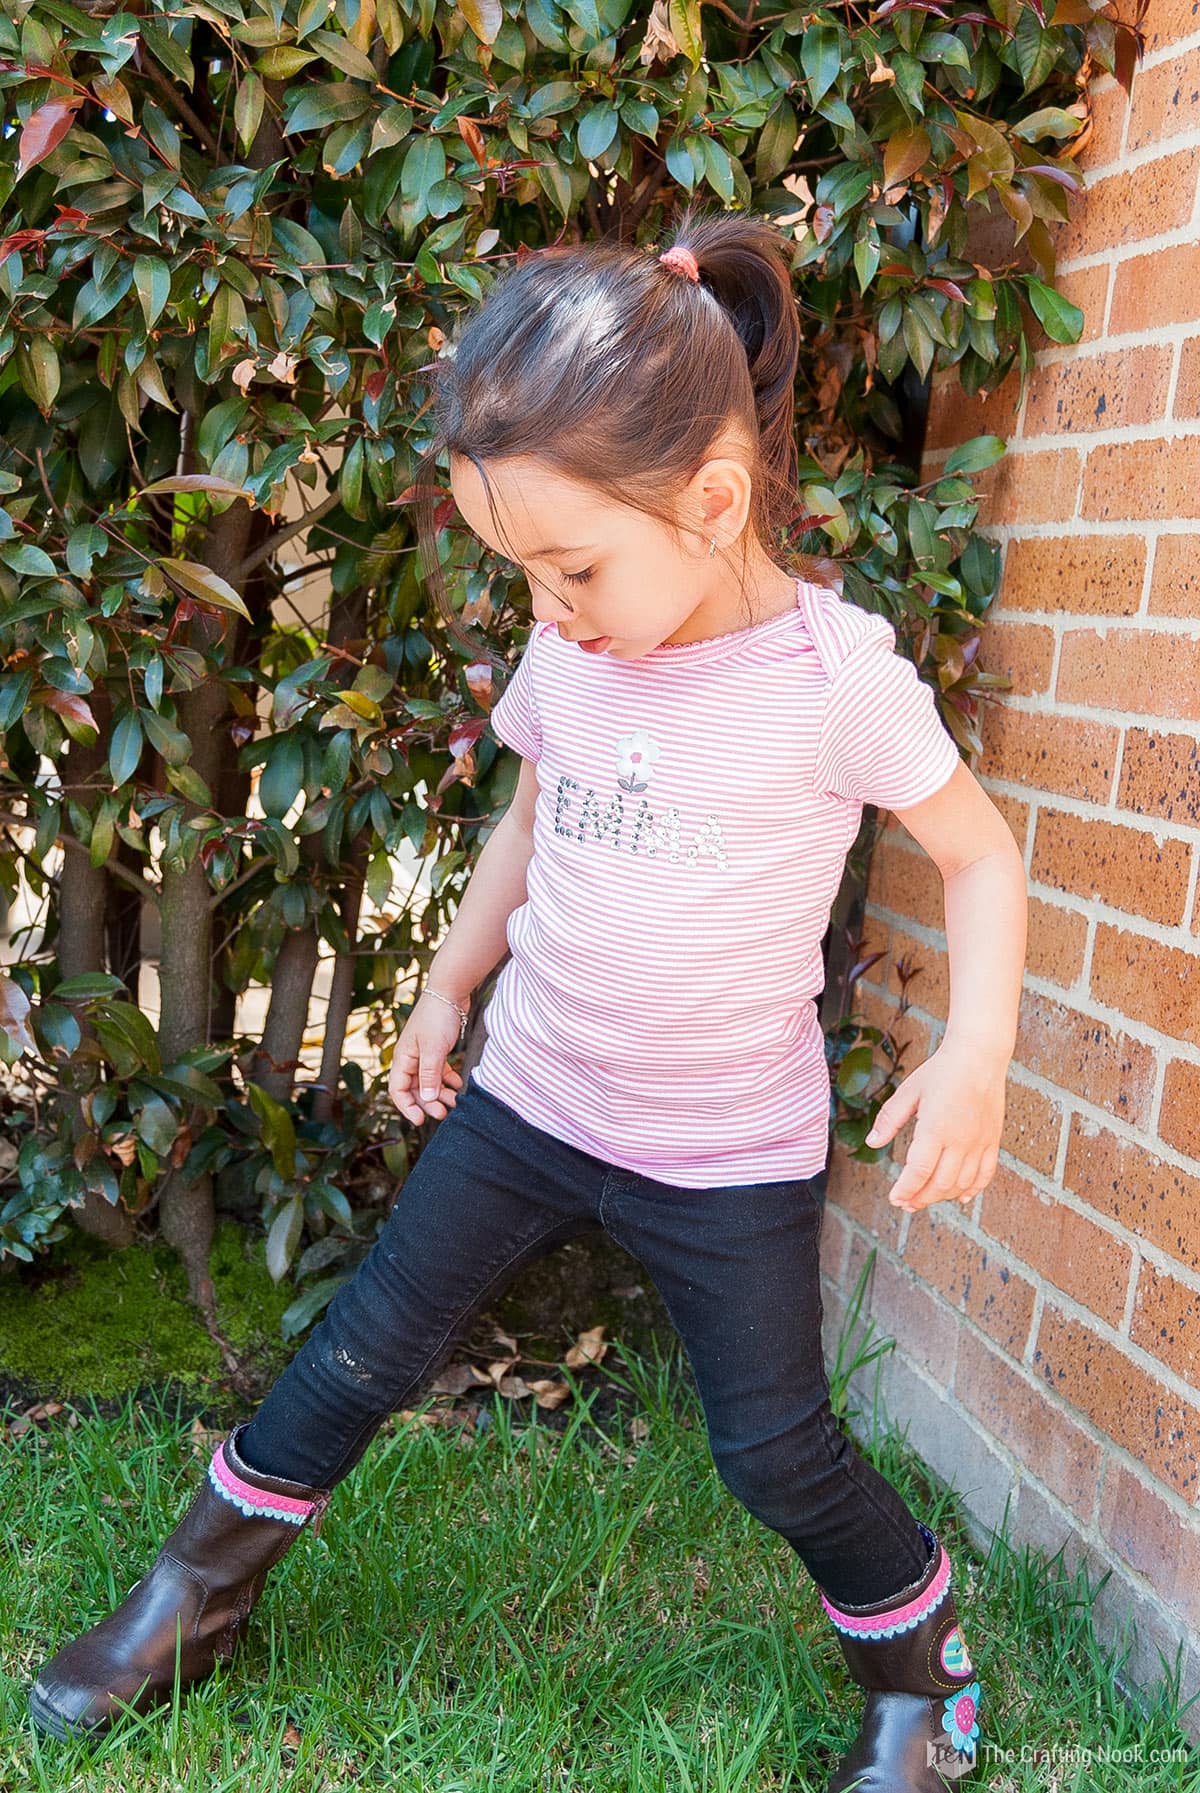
(585, 815)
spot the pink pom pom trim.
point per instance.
(681, 261)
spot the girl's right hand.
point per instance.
(419, 1072)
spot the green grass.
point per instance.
(520, 1610)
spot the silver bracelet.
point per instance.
(463, 1017)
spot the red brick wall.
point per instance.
(1048, 1338)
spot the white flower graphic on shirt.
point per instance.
(636, 754)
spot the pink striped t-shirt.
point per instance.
(695, 808)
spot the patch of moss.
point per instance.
(88, 1320)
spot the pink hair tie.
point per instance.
(681, 261)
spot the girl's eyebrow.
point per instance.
(545, 553)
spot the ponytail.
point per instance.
(744, 262)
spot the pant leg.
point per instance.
(738, 1271)
(488, 1195)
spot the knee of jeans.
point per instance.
(779, 1478)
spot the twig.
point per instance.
(114, 867)
(169, 92)
(267, 548)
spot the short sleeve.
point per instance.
(882, 740)
(514, 717)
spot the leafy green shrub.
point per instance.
(236, 238)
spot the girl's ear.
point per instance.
(721, 492)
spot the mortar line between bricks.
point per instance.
(1177, 347)
(1095, 909)
(1129, 161)
(1142, 1359)
(1117, 255)
(1104, 1440)
(1161, 432)
(1039, 703)
(1082, 809)
(1051, 1184)
(1079, 354)
(994, 1444)
(1148, 528)
(1154, 59)
(1011, 1258)
(1135, 1275)
(1174, 628)
(1110, 1451)
(1094, 1114)
(1033, 1379)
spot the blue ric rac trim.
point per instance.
(875, 1633)
(244, 1506)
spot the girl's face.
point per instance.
(603, 572)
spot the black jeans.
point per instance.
(736, 1267)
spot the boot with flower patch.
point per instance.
(921, 1721)
(191, 1605)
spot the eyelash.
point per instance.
(579, 578)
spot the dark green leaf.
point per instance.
(821, 59)
(282, 775)
(1062, 321)
(975, 455)
(596, 129)
(125, 749)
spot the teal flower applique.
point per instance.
(962, 1717)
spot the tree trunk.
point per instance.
(82, 891)
(277, 1055)
(274, 1063)
(186, 1211)
(341, 998)
(123, 921)
(231, 794)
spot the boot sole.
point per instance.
(50, 1720)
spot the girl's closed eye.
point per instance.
(579, 578)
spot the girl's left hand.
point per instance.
(957, 1095)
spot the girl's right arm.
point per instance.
(475, 942)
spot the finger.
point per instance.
(912, 1180)
(401, 1094)
(942, 1182)
(430, 1080)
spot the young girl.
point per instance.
(699, 728)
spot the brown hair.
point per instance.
(621, 375)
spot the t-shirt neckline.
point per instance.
(712, 647)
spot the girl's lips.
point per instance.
(597, 645)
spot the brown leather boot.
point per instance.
(199, 1591)
(920, 1723)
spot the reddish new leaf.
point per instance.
(45, 130)
(472, 136)
(464, 735)
(951, 289)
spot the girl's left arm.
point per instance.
(958, 1093)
